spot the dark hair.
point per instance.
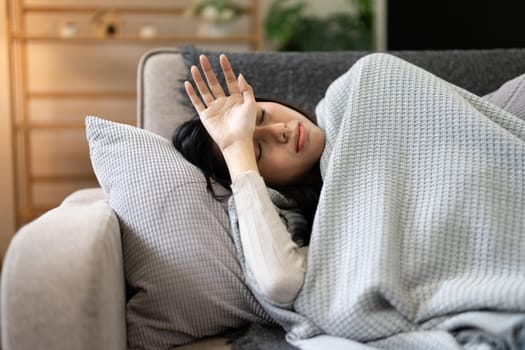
(193, 141)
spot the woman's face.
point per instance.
(287, 144)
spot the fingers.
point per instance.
(229, 76)
(211, 89)
(213, 83)
(246, 89)
(201, 86)
(195, 100)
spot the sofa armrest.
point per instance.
(62, 282)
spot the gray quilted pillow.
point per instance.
(510, 96)
(183, 278)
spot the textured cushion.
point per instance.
(300, 78)
(303, 77)
(510, 96)
(183, 278)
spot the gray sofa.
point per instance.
(62, 284)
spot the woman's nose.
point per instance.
(279, 132)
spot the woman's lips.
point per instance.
(300, 138)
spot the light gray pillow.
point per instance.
(510, 96)
(183, 279)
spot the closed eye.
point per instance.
(261, 118)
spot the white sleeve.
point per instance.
(276, 262)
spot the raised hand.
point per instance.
(228, 118)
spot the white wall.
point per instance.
(380, 7)
(7, 212)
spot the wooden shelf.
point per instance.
(27, 24)
(136, 39)
(167, 10)
(63, 178)
(81, 94)
(93, 9)
(55, 126)
(48, 126)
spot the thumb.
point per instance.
(246, 89)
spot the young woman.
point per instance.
(255, 144)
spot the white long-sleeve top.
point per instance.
(277, 263)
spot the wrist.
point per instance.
(240, 157)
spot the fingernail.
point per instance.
(242, 81)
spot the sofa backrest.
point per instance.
(300, 78)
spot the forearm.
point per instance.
(276, 262)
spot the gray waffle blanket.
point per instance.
(419, 237)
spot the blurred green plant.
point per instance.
(291, 30)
